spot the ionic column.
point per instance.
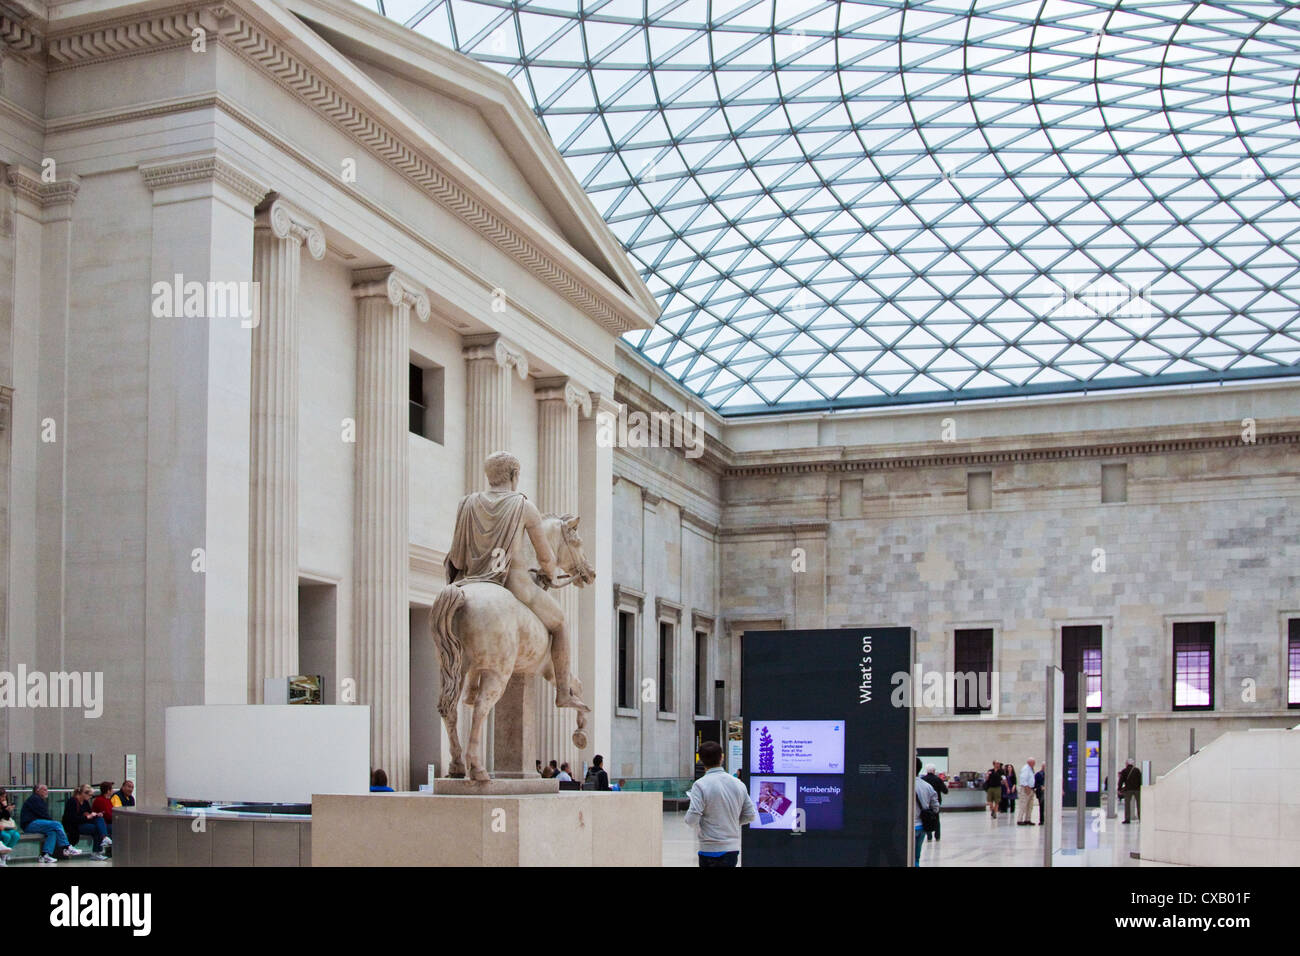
(279, 233)
(381, 630)
(558, 402)
(489, 360)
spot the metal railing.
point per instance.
(58, 771)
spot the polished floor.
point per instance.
(973, 838)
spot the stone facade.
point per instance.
(229, 497)
(864, 518)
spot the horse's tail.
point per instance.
(450, 600)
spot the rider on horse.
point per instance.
(485, 547)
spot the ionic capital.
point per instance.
(288, 222)
(494, 347)
(604, 405)
(562, 389)
(386, 282)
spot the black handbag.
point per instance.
(929, 818)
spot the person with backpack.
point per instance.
(993, 789)
(935, 781)
(926, 816)
(596, 778)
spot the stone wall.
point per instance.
(863, 518)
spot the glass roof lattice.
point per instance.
(843, 204)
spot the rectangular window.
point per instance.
(1293, 663)
(701, 672)
(1081, 651)
(973, 664)
(417, 400)
(1114, 483)
(664, 693)
(626, 655)
(425, 400)
(979, 491)
(1194, 666)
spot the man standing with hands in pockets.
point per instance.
(720, 806)
(1025, 784)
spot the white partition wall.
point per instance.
(267, 753)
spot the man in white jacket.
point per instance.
(720, 806)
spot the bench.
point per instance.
(31, 842)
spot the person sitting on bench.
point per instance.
(80, 819)
(35, 818)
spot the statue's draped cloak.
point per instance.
(485, 522)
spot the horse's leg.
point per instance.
(457, 767)
(490, 688)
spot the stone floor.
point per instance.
(973, 838)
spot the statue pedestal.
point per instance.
(514, 722)
(492, 788)
(569, 828)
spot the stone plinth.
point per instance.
(584, 828)
(491, 788)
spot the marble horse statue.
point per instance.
(495, 618)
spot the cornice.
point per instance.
(697, 521)
(702, 620)
(427, 560)
(285, 221)
(193, 169)
(850, 463)
(227, 25)
(668, 610)
(362, 33)
(795, 528)
(27, 184)
(387, 283)
(628, 595)
(492, 347)
(716, 457)
(17, 37)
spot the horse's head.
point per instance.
(569, 555)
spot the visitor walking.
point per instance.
(720, 806)
(993, 789)
(925, 812)
(1130, 788)
(1040, 781)
(935, 781)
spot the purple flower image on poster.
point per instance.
(766, 753)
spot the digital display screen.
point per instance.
(798, 780)
(797, 746)
(828, 756)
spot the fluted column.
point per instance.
(381, 619)
(279, 233)
(558, 402)
(489, 362)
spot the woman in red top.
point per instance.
(104, 804)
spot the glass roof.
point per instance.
(842, 204)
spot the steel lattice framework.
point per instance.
(877, 202)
